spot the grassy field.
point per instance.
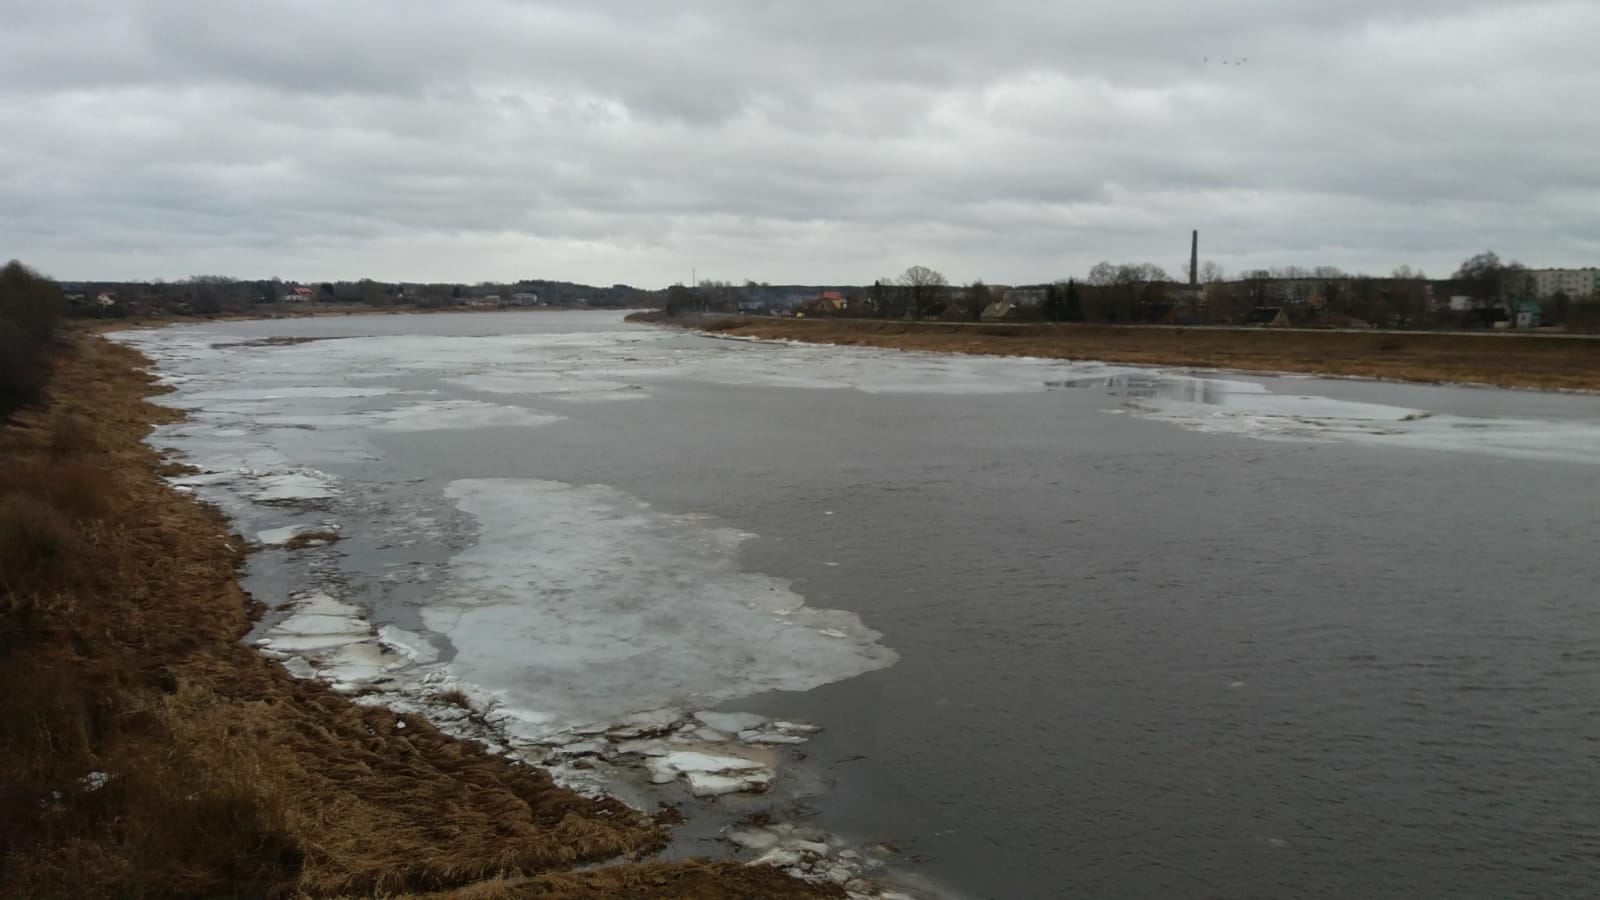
(146, 753)
(1503, 360)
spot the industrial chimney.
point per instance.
(1194, 258)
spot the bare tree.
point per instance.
(1146, 273)
(1483, 274)
(717, 296)
(1102, 274)
(922, 285)
(1210, 272)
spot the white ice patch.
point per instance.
(1222, 406)
(711, 775)
(409, 644)
(731, 723)
(286, 487)
(329, 639)
(319, 623)
(578, 604)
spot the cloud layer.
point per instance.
(824, 141)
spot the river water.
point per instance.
(1069, 630)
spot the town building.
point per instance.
(1525, 313)
(1575, 283)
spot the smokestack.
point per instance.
(1194, 258)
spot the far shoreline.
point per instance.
(1532, 362)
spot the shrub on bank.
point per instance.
(36, 542)
(30, 307)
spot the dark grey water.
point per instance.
(1138, 659)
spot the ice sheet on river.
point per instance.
(583, 604)
(319, 386)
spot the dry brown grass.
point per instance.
(1505, 360)
(223, 776)
(454, 697)
(37, 544)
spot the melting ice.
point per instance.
(582, 604)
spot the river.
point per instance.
(1068, 630)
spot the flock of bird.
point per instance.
(1228, 62)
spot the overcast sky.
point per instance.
(819, 141)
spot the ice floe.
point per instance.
(319, 622)
(293, 486)
(709, 775)
(540, 607)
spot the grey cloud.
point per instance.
(824, 141)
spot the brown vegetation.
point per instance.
(145, 752)
(1504, 360)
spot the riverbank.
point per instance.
(1496, 359)
(154, 755)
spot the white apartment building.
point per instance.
(1573, 282)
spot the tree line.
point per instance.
(1143, 293)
